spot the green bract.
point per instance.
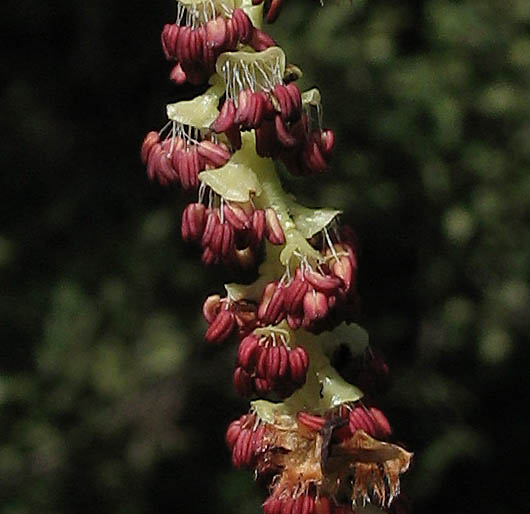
(201, 111)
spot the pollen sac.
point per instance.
(245, 438)
(203, 30)
(267, 364)
(182, 155)
(241, 317)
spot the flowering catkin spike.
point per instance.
(323, 447)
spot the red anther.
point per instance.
(296, 100)
(267, 144)
(196, 43)
(294, 321)
(272, 505)
(270, 309)
(213, 153)
(193, 222)
(282, 133)
(225, 120)
(242, 382)
(178, 75)
(232, 433)
(260, 40)
(168, 38)
(236, 216)
(268, 107)
(298, 362)
(312, 157)
(327, 141)
(384, 430)
(322, 506)
(222, 240)
(232, 35)
(234, 136)
(221, 328)
(261, 386)
(153, 160)
(342, 268)
(209, 258)
(315, 307)
(242, 452)
(294, 294)
(216, 32)
(284, 101)
(258, 226)
(311, 421)
(244, 105)
(247, 352)
(151, 139)
(273, 229)
(243, 25)
(182, 48)
(274, 10)
(326, 284)
(256, 114)
(212, 220)
(211, 308)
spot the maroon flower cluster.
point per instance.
(231, 232)
(282, 124)
(179, 159)
(266, 364)
(196, 47)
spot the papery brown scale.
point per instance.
(221, 328)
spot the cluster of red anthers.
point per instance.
(199, 36)
(314, 298)
(322, 461)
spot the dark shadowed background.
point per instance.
(110, 402)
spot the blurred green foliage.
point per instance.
(110, 400)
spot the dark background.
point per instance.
(110, 402)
